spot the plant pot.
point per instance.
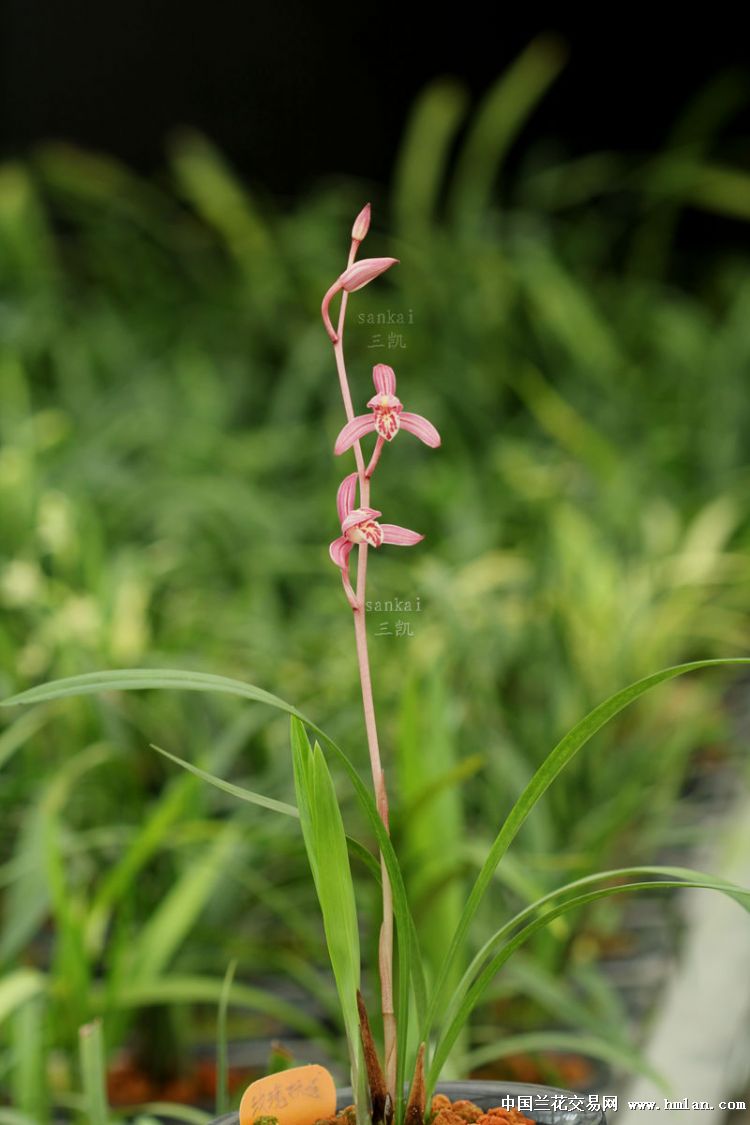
(486, 1094)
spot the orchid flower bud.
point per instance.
(360, 273)
(361, 224)
(352, 279)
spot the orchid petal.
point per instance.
(384, 378)
(400, 536)
(345, 496)
(420, 427)
(353, 431)
(340, 550)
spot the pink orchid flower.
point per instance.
(359, 525)
(388, 416)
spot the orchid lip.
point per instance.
(369, 532)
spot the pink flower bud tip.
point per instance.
(361, 224)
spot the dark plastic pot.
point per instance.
(546, 1109)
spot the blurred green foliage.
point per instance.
(168, 407)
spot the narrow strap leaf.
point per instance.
(462, 1009)
(554, 763)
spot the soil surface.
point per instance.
(446, 1112)
(129, 1085)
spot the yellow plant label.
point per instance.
(299, 1096)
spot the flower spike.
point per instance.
(360, 525)
(388, 416)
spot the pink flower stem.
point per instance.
(357, 602)
(375, 457)
(338, 351)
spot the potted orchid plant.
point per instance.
(420, 1026)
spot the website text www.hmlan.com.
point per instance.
(595, 1103)
(684, 1103)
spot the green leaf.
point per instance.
(179, 989)
(410, 964)
(71, 968)
(426, 784)
(615, 1053)
(19, 731)
(279, 1058)
(357, 849)
(325, 842)
(228, 787)
(301, 765)
(156, 831)
(334, 872)
(166, 929)
(366, 858)
(140, 679)
(420, 168)
(29, 1091)
(222, 1065)
(496, 123)
(447, 780)
(554, 763)
(28, 900)
(174, 1111)
(17, 988)
(13, 1117)
(409, 958)
(224, 201)
(93, 1073)
(470, 991)
(561, 997)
